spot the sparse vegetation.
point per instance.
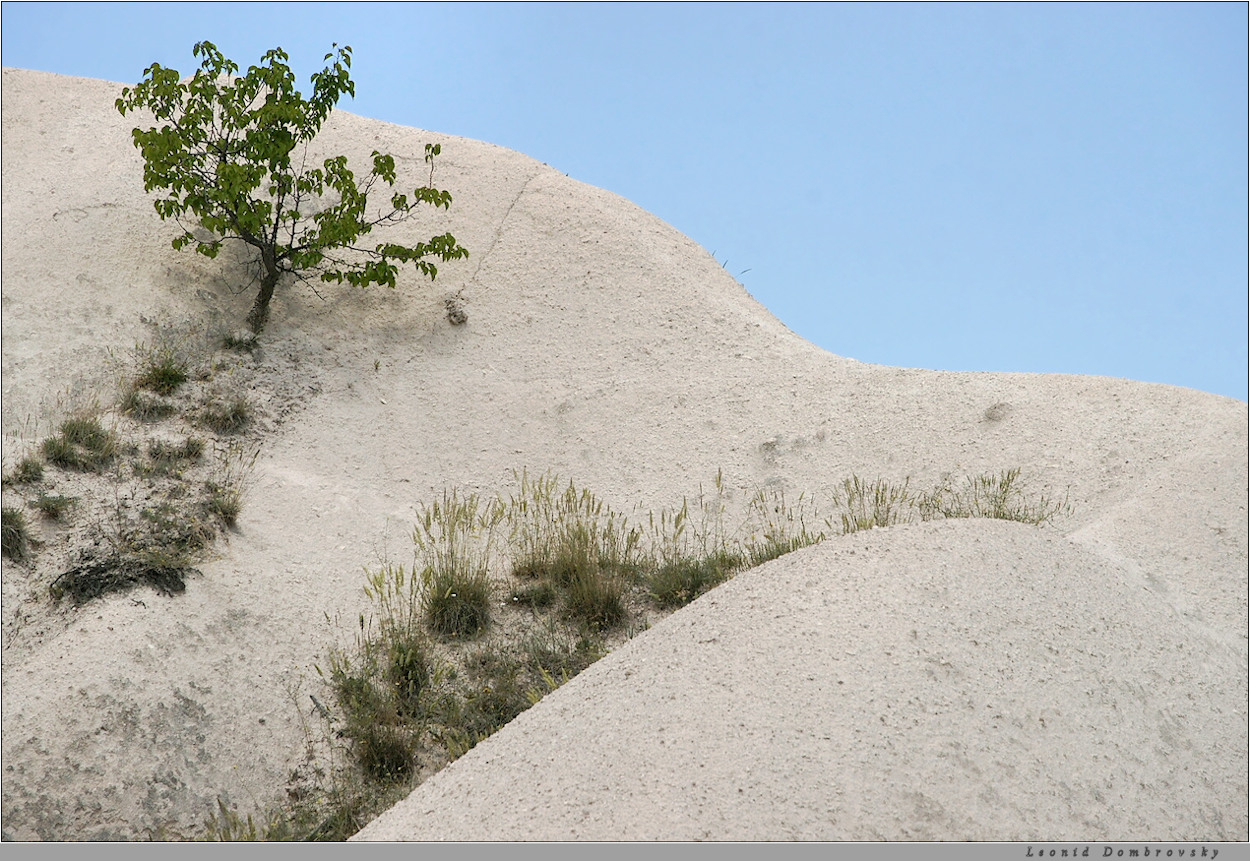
(82, 444)
(156, 545)
(418, 690)
(29, 470)
(227, 487)
(571, 544)
(166, 458)
(242, 342)
(223, 502)
(54, 506)
(677, 582)
(158, 542)
(13, 531)
(506, 599)
(425, 682)
(166, 502)
(164, 374)
(229, 415)
(163, 365)
(873, 505)
(146, 406)
(1000, 497)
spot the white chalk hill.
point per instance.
(941, 681)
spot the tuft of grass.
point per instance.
(454, 538)
(226, 825)
(537, 595)
(556, 651)
(145, 406)
(163, 367)
(337, 814)
(59, 452)
(594, 596)
(164, 373)
(86, 431)
(694, 551)
(226, 417)
(409, 669)
(190, 449)
(676, 582)
(241, 342)
(224, 503)
(54, 507)
(494, 695)
(227, 487)
(457, 602)
(999, 497)
(780, 527)
(873, 505)
(29, 470)
(83, 444)
(166, 458)
(14, 536)
(380, 690)
(171, 528)
(574, 545)
(386, 751)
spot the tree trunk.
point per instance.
(259, 315)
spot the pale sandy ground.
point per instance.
(941, 681)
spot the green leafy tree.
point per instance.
(232, 152)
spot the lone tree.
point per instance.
(224, 153)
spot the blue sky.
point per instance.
(1045, 188)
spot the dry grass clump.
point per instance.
(229, 415)
(228, 484)
(1000, 497)
(82, 445)
(167, 459)
(453, 538)
(677, 582)
(568, 544)
(155, 544)
(29, 470)
(242, 342)
(14, 536)
(161, 370)
(692, 550)
(54, 506)
(873, 505)
(164, 373)
(155, 533)
(146, 406)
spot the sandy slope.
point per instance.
(1087, 681)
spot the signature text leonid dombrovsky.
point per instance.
(1145, 851)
